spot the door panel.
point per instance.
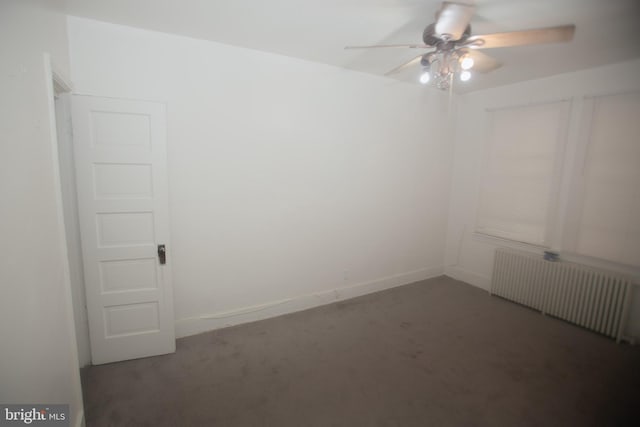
(120, 156)
(130, 274)
(118, 181)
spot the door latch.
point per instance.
(162, 254)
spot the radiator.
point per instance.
(593, 298)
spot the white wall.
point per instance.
(289, 180)
(469, 257)
(38, 360)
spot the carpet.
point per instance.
(433, 353)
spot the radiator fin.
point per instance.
(592, 298)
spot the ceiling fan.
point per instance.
(456, 50)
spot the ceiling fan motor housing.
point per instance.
(430, 38)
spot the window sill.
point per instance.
(508, 243)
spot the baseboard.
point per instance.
(475, 279)
(80, 419)
(208, 322)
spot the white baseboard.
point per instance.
(80, 419)
(208, 322)
(475, 279)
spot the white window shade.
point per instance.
(609, 226)
(518, 192)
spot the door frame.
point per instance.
(56, 83)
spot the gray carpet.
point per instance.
(433, 353)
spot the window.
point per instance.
(609, 218)
(523, 159)
(524, 162)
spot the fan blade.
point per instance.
(407, 64)
(453, 19)
(483, 63)
(377, 46)
(559, 34)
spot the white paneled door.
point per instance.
(120, 156)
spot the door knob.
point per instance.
(162, 254)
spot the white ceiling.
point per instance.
(318, 30)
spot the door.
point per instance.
(120, 158)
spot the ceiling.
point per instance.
(318, 30)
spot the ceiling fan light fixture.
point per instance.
(465, 75)
(467, 62)
(425, 77)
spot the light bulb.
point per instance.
(425, 77)
(466, 63)
(465, 75)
